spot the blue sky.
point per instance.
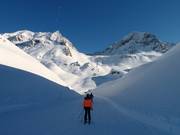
(93, 24)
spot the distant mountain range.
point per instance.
(82, 72)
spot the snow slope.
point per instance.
(149, 93)
(32, 105)
(145, 102)
(26, 98)
(10, 55)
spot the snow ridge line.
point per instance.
(162, 125)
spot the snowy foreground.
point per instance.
(143, 102)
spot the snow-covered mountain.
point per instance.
(137, 42)
(144, 102)
(59, 55)
(12, 56)
(135, 49)
(82, 72)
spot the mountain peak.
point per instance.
(56, 36)
(137, 42)
(139, 37)
(23, 35)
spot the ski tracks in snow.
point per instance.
(166, 126)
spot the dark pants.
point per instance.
(87, 114)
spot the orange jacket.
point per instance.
(87, 103)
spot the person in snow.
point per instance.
(87, 104)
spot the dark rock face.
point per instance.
(136, 42)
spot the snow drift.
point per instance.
(149, 93)
(154, 86)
